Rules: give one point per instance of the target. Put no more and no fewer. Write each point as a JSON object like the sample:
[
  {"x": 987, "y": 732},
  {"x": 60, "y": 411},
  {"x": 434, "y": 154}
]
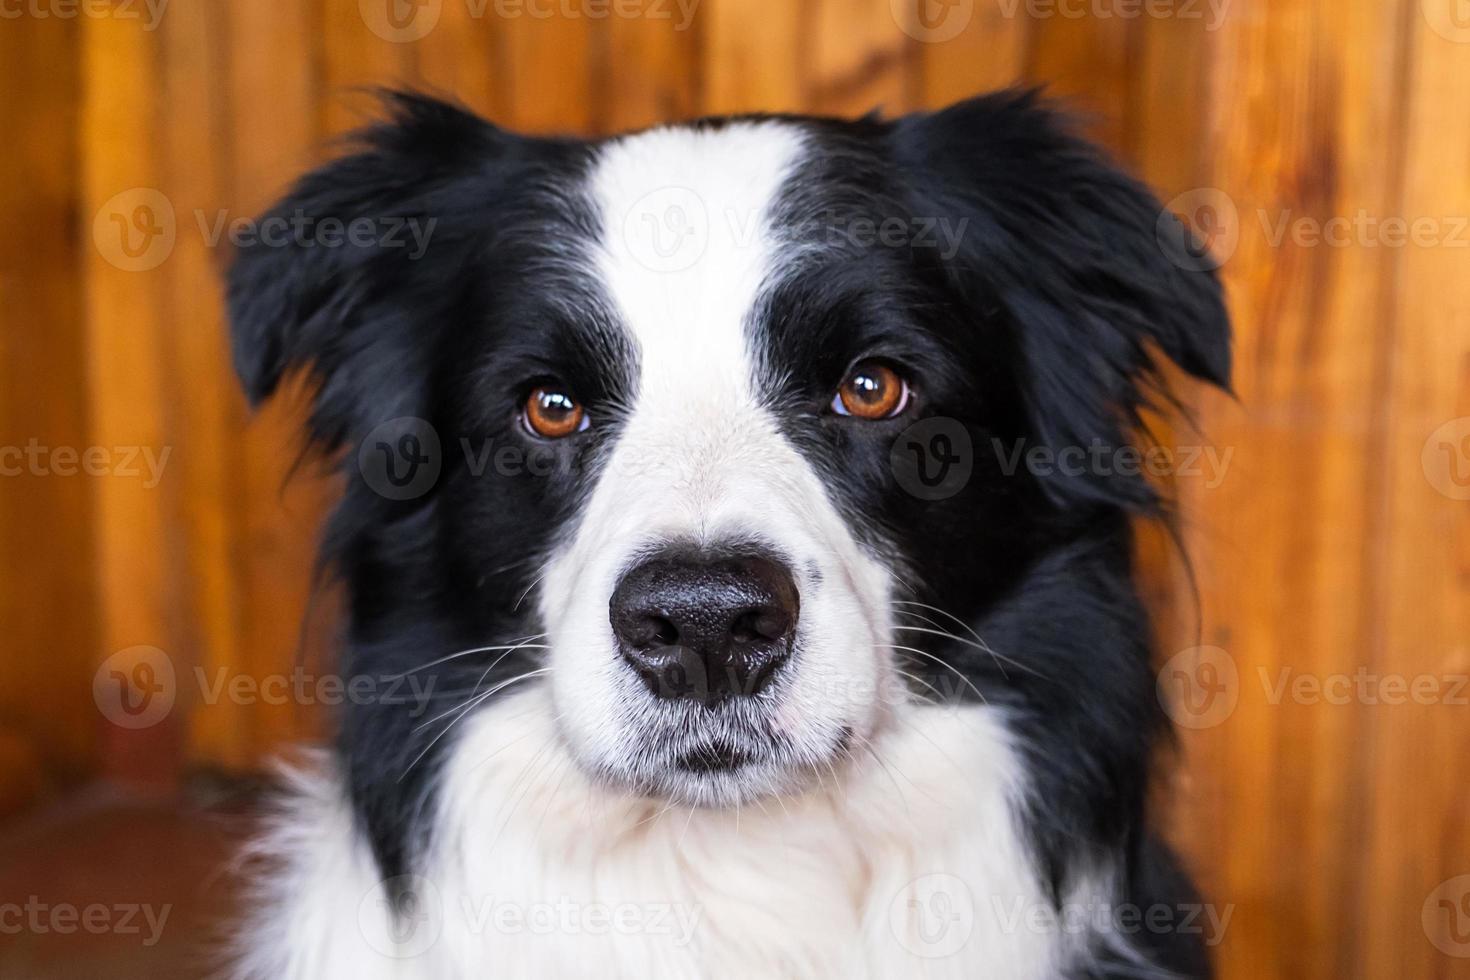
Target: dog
[{"x": 691, "y": 477}]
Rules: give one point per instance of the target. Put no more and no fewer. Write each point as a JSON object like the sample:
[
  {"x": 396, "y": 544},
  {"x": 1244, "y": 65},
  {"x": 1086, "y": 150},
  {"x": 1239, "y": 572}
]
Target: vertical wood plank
[
  {"x": 988, "y": 52},
  {"x": 209, "y": 416},
  {"x": 47, "y": 589},
  {"x": 1419, "y": 809},
  {"x": 652, "y": 73},
  {"x": 463, "y": 58},
  {"x": 132, "y": 227},
  {"x": 1085, "y": 60},
  {"x": 857, "y": 58},
  {"x": 1171, "y": 114},
  {"x": 551, "y": 63},
  {"x": 354, "y": 58},
  {"x": 1285, "y": 593},
  {"x": 752, "y": 57}
]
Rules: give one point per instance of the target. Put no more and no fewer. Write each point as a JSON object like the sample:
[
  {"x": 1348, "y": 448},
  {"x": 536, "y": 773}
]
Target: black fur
[{"x": 1038, "y": 328}]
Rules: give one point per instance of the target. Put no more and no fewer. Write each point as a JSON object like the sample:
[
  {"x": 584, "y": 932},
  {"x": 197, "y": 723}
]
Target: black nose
[{"x": 705, "y": 629}]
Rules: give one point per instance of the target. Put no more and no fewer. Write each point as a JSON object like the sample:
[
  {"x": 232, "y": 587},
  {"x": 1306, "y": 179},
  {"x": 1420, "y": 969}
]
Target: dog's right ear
[
  {"x": 308, "y": 289},
  {"x": 1097, "y": 282}
]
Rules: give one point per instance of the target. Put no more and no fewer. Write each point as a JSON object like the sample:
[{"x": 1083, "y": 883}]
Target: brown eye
[
  {"x": 552, "y": 413},
  {"x": 872, "y": 391}
]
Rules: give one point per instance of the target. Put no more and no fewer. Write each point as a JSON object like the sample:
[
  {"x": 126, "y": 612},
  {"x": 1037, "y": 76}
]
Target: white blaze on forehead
[{"x": 686, "y": 247}]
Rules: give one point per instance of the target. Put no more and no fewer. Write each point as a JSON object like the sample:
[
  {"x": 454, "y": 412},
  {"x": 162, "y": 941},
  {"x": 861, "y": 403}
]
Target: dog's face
[
  {"x": 715, "y": 605},
  {"x": 683, "y": 384}
]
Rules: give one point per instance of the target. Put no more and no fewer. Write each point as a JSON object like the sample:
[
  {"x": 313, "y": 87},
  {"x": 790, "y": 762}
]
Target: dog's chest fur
[{"x": 909, "y": 866}]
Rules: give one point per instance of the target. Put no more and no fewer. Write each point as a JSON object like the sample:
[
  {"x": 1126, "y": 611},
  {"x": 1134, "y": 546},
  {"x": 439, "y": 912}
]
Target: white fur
[{"x": 819, "y": 885}]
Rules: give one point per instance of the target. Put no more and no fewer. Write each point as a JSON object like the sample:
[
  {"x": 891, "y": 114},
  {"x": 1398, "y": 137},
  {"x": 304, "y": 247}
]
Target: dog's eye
[
  {"x": 872, "y": 391},
  {"x": 552, "y": 413}
]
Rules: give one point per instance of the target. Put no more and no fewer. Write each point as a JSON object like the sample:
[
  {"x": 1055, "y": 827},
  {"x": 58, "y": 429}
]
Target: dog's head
[{"x": 714, "y": 430}]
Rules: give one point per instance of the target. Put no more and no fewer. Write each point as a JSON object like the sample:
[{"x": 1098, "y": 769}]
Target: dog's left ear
[
  {"x": 1082, "y": 262},
  {"x": 336, "y": 283}
]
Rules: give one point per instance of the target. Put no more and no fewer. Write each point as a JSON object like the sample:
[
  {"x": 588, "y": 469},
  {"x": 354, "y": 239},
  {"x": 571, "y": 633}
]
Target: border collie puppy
[{"x": 708, "y": 614}]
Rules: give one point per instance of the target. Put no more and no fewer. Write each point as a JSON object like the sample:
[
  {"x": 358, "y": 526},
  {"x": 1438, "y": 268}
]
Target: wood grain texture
[
  {"x": 1092, "y": 63},
  {"x": 856, "y": 58},
  {"x": 206, "y": 422},
  {"x": 988, "y": 52},
  {"x": 752, "y": 56},
  {"x": 463, "y": 58},
  {"x": 1335, "y": 544},
  {"x": 668, "y": 82},
  {"x": 354, "y": 59},
  {"x": 552, "y": 62},
  {"x": 48, "y": 589},
  {"x": 130, "y": 226},
  {"x": 1418, "y": 811}
]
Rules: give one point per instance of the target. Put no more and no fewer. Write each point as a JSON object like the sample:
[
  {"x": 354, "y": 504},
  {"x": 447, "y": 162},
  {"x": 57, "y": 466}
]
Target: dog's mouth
[
  {"x": 728, "y": 764},
  {"x": 716, "y": 757}
]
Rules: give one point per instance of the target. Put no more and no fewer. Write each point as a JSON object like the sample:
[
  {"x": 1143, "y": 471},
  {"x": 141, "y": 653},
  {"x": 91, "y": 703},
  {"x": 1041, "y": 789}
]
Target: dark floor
[{"x": 108, "y": 884}]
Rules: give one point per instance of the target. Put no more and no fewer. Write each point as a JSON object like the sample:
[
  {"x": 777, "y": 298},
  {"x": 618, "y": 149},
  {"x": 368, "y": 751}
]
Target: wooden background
[{"x": 1334, "y": 545}]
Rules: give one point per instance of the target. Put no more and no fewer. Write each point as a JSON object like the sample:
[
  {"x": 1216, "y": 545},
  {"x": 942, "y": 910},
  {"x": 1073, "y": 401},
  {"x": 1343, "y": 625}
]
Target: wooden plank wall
[{"x": 1337, "y": 542}]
